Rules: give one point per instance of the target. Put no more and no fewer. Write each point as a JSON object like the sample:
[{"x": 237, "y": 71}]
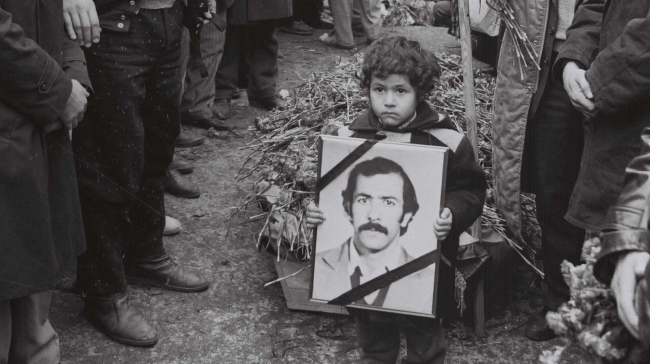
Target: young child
[{"x": 398, "y": 74}]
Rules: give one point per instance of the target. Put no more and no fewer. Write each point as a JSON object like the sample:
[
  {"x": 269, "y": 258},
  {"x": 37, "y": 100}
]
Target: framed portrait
[{"x": 376, "y": 248}]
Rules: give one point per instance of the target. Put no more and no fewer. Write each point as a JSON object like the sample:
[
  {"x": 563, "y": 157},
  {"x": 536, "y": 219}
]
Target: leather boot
[
  {"x": 163, "y": 273},
  {"x": 181, "y": 165},
  {"x": 185, "y": 140},
  {"x": 116, "y": 318},
  {"x": 180, "y": 187},
  {"x": 222, "y": 108},
  {"x": 267, "y": 103}
]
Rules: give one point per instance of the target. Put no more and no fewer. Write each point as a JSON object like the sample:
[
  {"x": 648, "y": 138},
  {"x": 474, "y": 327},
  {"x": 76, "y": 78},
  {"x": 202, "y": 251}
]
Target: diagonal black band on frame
[{"x": 344, "y": 164}]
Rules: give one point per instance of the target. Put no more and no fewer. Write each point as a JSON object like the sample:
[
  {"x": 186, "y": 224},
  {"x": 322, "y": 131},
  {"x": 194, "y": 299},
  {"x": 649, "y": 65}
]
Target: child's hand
[
  {"x": 314, "y": 215},
  {"x": 442, "y": 225}
]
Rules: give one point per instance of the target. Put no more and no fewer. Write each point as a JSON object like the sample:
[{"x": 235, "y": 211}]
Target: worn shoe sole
[
  {"x": 191, "y": 143},
  {"x": 147, "y": 282},
  {"x": 121, "y": 340}
]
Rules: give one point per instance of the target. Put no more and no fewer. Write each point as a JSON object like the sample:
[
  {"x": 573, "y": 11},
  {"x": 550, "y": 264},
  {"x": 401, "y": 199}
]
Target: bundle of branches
[
  {"x": 590, "y": 317},
  {"x": 284, "y": 157},
  {"x": 526, "y": 53}
]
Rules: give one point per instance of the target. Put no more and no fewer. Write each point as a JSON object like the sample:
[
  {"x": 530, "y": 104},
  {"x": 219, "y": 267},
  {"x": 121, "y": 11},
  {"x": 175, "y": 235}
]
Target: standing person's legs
[
  {"x": 342, "y": 14},
  {"x": 228, "y": 70},
  {"x": 26, "y": 335},
  {"x": 557, "y": 139},
  {"x": 371, "y": 19},
  {"x": 378, "y": 341},
  {"x": 262, "y": 60},
  {"x": 425, "y": 341},
  {"x": 199, "y": 92}
]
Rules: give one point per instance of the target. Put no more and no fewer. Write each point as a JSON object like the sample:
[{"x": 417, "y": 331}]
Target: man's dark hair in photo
[{"x": 373, "y": 167}]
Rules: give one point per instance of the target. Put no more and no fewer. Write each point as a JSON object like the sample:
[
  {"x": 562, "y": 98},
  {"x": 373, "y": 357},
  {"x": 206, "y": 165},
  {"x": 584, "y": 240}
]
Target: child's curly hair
[{"x": 398, "y": 55}]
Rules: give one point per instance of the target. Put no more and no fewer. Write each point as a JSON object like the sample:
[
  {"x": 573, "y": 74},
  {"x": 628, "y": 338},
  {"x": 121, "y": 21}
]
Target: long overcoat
[
  {"x": 619, "y": 77},
  {"x": 519, "y": 88},
  {"x": 40, "y": 218},
  {"x": 244, "y": 12}
]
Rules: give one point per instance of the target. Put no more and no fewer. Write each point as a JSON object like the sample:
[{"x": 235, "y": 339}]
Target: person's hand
[
  {"x": 81, "y": 21},
  {"x": 576, "y": 85},
  {"x": 74, "y": 109},
  {"x": 315, "y": 216},
  {"x": 212, "y": 9},
  {"x": 442, "y": 225},
  {"x": 629, "y": 269}
]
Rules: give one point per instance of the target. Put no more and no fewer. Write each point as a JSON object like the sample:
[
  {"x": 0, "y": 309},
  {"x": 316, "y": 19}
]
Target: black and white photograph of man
[{"x": 378, "y": 220}]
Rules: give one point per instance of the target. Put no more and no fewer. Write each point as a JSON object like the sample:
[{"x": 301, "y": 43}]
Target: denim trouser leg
[
  {"x": 125, "y": 144},
  {"x": 199, "y": 92},
  {"x": 557, "y": 139}
]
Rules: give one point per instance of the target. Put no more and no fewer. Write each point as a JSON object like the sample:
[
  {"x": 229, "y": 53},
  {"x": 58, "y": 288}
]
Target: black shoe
[
  {"x": 267, "y": 103},
  {"x": 163, "y": 273},
  {"x": 181, "y": 165},
  {"x": 117, "y": 319},
  {"x": 537, "y": 329},
  {"x": 222, "y": 109},
  {"x": 185, "y": 140},
  {"x": 212, "y": 122},
  {"x": 298, "y": 28},
  {"x": 179, "y": 187}
]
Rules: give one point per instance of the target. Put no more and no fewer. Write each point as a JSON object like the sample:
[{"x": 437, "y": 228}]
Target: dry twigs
[{"x": 284, "y": 152}]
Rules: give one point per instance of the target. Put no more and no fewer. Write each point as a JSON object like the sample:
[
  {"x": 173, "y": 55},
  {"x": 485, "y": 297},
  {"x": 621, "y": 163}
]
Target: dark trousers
[
  {"x": 125, "y": 145},
  {"x": 379, "y": 339},
  {"x": 556, "y": 140},
  {"x": 26, "y": 335},
  {"x": 262, "y": 59}
]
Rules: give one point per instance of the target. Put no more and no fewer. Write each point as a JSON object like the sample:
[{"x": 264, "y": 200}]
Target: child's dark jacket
[{"x": 465, "y": 181}]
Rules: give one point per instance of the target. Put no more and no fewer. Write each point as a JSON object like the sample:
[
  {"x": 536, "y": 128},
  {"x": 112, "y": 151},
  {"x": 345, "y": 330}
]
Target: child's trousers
[{"x": 379, "y": 340}]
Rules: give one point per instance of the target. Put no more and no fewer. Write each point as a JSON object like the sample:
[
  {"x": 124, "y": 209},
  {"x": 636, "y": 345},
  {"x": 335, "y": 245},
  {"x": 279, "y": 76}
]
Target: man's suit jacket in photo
[{"x": 411, "y": 293}]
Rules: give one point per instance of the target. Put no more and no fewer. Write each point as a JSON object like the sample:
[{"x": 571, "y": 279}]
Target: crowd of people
[{"x": 93, "y": 95}]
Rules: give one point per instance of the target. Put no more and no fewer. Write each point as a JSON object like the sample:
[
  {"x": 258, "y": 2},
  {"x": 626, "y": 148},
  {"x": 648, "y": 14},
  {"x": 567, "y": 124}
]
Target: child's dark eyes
[
  {"x": 379, "y": 89},
  {"x": 401, "y": 91}
]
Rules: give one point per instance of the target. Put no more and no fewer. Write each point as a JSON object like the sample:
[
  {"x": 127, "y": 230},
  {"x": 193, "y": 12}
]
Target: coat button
[
  {"x": 528, "y": 88},
  {"x": 551, "y": 31},
  {"x": 120, "y": 25},
  {"x": 44, "y": 86},
  {"x": 123, "y": 17},
  {"x": 132, "y": 3},
  {"x": 545, "y": 60},
  {"x": 535, "y": 42}
]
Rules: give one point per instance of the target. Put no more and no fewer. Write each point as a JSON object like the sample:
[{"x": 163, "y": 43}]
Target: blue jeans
[{"x": 125, "y": 144}]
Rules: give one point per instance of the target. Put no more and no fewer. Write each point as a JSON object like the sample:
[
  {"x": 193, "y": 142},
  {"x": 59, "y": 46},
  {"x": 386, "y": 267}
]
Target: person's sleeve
[
  {"x": 74, "y": 63},
  {"x": 625, "y": 226},
  {"x": 31, "y": 81},
  {"x": 582, "y": 37},
  {"x": 465, "y": 190},
  {"x": 620, "y": 75},
  {"x": 644, "y": 308}
]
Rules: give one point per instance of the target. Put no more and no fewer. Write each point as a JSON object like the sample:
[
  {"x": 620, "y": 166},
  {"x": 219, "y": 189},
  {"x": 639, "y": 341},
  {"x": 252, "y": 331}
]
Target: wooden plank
[
  {"x": 296, "y": 288},
  {"x": 468, "y": 85}
]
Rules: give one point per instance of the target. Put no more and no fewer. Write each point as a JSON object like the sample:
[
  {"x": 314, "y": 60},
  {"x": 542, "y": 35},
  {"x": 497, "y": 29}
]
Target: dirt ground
[{"x": 239, "y": 321}]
